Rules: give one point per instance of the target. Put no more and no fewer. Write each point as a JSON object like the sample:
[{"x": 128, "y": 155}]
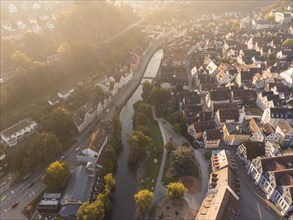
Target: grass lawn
[
  {"x": 152, "y": 169},
  {"x": 255, "y": 111}
]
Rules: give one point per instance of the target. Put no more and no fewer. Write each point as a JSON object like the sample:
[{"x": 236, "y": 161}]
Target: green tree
[
  {"x": 110, "y": 181},
  {"x": 182, "y": 161},
  {"x": 143, "y": 200},
  {"x": 91, "y": 211},
  {"x": 42, "y": 147},
  {"x": 105, "y": 197},
  {"x": 145, "y": 130},
  {"x": 169, "y": 146},
  {"x": 56, "y": 175},
  {"x": 146, "y": 89},
  {"x": 175, "y": 191},
  {"x": 60, "y": 122},
  {"x": 115, "y": 134},
  {"x": 208, "y": 155},
  {"x": 139, "y": 144},
  {"x": 21, "y": 59},
  {"x": 159, "y": 96},
  {"x": 177, "y": 127},
  {"x": 288, "y": 42}
]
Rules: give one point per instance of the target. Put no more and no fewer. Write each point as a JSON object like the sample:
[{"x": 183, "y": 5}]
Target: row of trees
[
  {"x": 144, "y": 198},
  {"x": 96, "y": 210},
  {"x": 42, "y": 147},
  {"x": 139, "y": 140}
]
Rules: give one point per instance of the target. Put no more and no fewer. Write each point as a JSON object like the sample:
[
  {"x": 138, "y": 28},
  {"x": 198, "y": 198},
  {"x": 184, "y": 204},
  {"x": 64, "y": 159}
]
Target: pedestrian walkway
[{"x": 194, "y": 200}]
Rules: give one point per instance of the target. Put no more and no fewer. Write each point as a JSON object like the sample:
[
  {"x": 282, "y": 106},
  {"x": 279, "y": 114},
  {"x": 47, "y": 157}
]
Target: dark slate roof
[
  {"x": 17, "y": 127},
  {"x": 228, "y": 114},
  {"x": 286, "y": 113},
  {"x": 192, "y": 100},
  {"x": 246, "y": 76},
  {"x": 79, "y": 185},
  {"x": 272, "y": 97},
  {"x": 217, "y": 106},
  {"x": 213, "y": 134},
  {"x": 237, "y": 128},
  {"x": 254, "y": 149},
  {"x": 266, "y": 93},
  {"x": 202, "y": 126},
  {"x": 243, "y": 94},
  {"x": 69, "y": 211},
  {"x": 220, "y": 95}
]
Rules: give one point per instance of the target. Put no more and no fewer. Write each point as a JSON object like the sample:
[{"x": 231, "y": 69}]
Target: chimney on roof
[{"x": 239, "y": 128}]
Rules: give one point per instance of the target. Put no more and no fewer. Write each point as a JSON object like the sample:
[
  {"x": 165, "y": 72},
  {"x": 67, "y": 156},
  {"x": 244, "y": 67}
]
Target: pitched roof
[
  {"x": 277, "y": 163},
  {"x": 228, "y": 114},
  {"x": 213, "y": 134},
  {"x": 253, "y": 126},
  {"x": 267, "y": 129},
  {"x": 17, "y": 127},
  {"x": 217, "y": 106},
  {"x": 254, "y": 149},
  {"x": 286, "y": 113},
  {"x": 220, "y": 95},
  {"x": 284, "y": 127},
  {"x": 243, "y": 94},
  {"x": 237, "y": 128},
  {"x": 202, "y": 126}
]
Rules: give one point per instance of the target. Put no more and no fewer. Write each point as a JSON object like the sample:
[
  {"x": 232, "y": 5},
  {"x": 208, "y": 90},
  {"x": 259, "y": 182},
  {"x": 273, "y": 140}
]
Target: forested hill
[
  {"x": 80, "y": 27},
  {"x": 94, "y": 20},
  {"x": 185, "y": 10}
]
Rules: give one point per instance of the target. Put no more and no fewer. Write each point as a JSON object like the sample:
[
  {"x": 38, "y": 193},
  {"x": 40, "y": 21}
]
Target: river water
[{"x": 126, "y": 185}]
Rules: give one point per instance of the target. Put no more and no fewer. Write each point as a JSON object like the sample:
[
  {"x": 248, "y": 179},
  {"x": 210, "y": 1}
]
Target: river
[{"x": 126, "y": 185}]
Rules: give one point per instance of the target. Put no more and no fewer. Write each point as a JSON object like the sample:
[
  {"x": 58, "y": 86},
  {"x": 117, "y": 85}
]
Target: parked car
[
  {"x": 14, "y": 205},
  {"x": 77, "y": 149}
]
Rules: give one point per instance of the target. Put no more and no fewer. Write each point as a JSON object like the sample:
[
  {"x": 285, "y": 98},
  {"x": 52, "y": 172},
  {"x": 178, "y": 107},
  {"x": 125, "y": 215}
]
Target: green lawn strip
[{"x": 152, "y": 169}]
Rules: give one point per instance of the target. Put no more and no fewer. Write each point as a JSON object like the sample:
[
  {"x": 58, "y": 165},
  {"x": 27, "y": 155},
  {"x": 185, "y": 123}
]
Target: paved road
[
  {"x": 23, "y": 195},
  {"x": 251, "y": 206}
]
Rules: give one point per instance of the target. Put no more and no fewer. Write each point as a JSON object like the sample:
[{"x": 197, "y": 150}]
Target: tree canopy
[
  {"x": 159, "y": 96},
  {"x": 91, "y": 211},
  {"x": 175, "y": 191},
  {"x": 42, "y": 147},
  {"x": 56, "y": 175},
  {"x": 182, "y": 161},
  {"x": 139, "y": 144},
  {"x": 143, "y": 200},
  {"x": 288, "y": 42}
]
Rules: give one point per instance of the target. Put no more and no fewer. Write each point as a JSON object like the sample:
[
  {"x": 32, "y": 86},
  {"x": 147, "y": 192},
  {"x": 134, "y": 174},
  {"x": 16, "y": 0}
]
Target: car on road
[
  {"x": 62, "y": 158},
  {"x": 77, "y": 149},
  {"x": 14, "y": 205}
]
